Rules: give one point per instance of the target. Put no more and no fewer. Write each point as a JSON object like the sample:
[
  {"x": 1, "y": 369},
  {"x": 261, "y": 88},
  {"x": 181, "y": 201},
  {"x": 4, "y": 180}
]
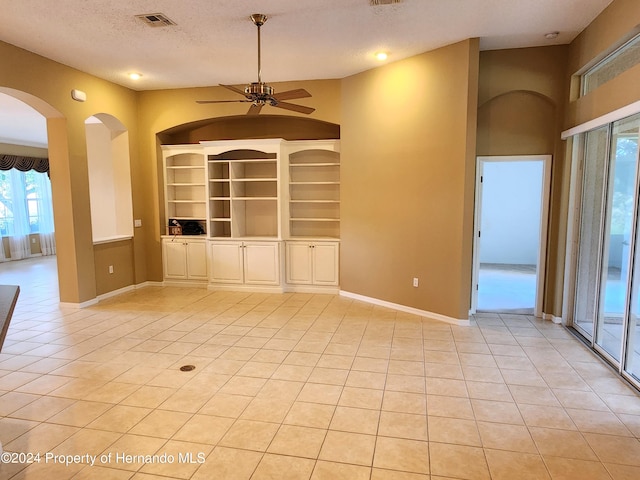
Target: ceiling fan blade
[
  {"x": 254, "y": 109},
  {"x": 233, "y": 89},
  {"x": 222, "y": 101},
  {"x": 291, "y": 94},
  {"x": 295, "y": 108}
]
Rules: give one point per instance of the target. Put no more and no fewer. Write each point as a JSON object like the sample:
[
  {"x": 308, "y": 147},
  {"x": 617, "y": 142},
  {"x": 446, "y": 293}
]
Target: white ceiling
[
  {"x": 215, "y": 42},
  {"x": 20, "y": 124}
]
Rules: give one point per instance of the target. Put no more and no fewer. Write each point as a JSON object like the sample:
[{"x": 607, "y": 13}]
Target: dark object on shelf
[
  {"x": 192, "y": 228},
  {"x": 174, "y": 227}
]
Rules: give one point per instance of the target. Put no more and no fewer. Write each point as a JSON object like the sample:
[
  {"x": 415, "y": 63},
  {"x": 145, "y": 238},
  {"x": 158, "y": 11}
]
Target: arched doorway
[
  {"x": 76, "y": 275},
  {"x": 27, "y": 245}
]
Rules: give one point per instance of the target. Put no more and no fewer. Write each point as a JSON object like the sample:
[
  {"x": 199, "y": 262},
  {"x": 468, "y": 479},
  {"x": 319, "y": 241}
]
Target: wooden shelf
[
  {"x": 314, "y": 195},
  {"x": 250, "y": 185},
  {"x": 185, "y": 185},
  {"x": 314, "y": 183},
  {"x": 315, "y": 219},
  {"x": 255, "y": 198},
  {"x": 265, "y": 179},
  {"x": 330, "y": 164}
]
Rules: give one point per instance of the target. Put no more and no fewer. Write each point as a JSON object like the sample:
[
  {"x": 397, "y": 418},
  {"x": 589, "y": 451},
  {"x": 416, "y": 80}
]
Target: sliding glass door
[
  {"x": 620, "y": 225},
  {"x": 594, "y": 168},
  {"x": 627, "y": 145},
  {"x": 607, "y": 295}
]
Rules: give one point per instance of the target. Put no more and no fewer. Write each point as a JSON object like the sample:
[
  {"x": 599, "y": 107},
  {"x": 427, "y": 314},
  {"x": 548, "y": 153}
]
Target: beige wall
[
  {"x": 162, "y": 109},
  {"x": 34, "y": 244},
  {"x": 46, "y": 86},
  {"x": 616, "y": 24},
  {"x": 8, "y": 149},
  {"x": 119, "y": 255},
  {"x": 521, "y": 97},
  {"x": 408, "y": 156},
  {"x": 409, "y": 147}
]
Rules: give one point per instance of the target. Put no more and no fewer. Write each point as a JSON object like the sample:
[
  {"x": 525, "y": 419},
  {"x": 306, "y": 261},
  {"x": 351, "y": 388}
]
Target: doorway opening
[
  {"x": 512, "y": 199},
  {"x": 27, "y": 243}
]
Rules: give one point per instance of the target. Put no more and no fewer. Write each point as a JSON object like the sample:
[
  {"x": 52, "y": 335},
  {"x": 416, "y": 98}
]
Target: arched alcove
[
  {"x": 240, "y": 127},
  {"x": 109, "y": 178},
  {"x": 516, "y": 122}
]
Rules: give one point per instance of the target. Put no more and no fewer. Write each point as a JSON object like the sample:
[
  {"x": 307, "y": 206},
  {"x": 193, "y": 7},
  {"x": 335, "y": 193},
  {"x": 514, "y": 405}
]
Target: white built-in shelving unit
[{"x": 270, "y": 210}]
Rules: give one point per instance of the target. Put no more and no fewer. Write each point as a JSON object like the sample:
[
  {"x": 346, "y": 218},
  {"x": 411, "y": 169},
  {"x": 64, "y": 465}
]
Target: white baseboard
[
  {"x": 404, "y": 308},
  {"x": 184, "y": 283},
  {"x": 86, "y": 304},
  {"x": 246, "y": 288},
  {"x": 322, "y": 289},
  {"x": 114, "y": 293},
  {"x": 104, "y": 296},
  {"x": 552, "y": 318},
  {"x": 148, "y": 284}
]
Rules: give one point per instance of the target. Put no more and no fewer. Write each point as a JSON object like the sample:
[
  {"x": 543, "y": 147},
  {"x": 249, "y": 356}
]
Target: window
[
  {"x": 620, "y": 60},
  {"x": 25, "y": 202}
]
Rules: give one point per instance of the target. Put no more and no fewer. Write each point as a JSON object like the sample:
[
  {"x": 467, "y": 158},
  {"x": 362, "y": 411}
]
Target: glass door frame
[
  {"x": 609, "y": 192},
  {"x": 576, "y": 150}
]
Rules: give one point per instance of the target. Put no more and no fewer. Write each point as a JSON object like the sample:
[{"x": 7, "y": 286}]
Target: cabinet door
[
  {"x": 299, "y": 263},
  {"x": 226, "y": 262},
  {"x": 262, "y": 263},
  {"x": 325, "y": 263},
  {"x": 174, "y": 255},
  {"x": 197, "y": 260}
]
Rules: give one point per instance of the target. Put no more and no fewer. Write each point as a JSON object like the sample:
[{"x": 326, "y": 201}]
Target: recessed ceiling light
[
  {"x": 135, "y": 76},
  {"x": 382, "y": 56},
  {"x": 551, "y": 35}
]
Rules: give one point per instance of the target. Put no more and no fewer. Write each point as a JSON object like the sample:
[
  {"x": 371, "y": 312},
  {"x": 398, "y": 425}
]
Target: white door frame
[{"x": 544, "y": 219}]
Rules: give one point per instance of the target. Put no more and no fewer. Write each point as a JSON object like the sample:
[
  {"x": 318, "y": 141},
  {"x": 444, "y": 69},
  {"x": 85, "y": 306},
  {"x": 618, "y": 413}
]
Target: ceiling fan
[{"x": 259, "y": 93}]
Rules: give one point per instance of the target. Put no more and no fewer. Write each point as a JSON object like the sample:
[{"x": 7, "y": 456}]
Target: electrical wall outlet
[
  {"x": 137, "y": 222},
  {"x": 415, "y": 281},
  {"x": 110, "y": 268}
]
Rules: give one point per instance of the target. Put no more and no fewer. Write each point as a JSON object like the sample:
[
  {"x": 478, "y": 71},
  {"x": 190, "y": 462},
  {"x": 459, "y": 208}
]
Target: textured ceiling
[{"x": 214, "y": 41}]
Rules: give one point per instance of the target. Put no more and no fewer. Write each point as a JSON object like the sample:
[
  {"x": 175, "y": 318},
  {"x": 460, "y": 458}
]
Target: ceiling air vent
[
  {"x": 156, "y": 20},
  {"x": 373, "y": 3}
]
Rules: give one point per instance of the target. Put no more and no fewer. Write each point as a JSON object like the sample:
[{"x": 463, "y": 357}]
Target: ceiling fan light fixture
[
  {"x": 259, "y": 88},
  {"x": 259, "y": 94}
]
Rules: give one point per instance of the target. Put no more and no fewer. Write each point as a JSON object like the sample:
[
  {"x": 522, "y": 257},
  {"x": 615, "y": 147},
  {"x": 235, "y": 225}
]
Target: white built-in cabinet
[
  {"x": 245, "y": 263},
  {"x": 184, "y": 258},
  {"x": 270, "y": 210},
  {"x": 312, "y": 263}
]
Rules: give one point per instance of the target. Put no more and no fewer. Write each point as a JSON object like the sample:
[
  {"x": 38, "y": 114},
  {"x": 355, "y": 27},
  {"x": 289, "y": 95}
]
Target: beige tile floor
[{"x": 300, "y": 386}]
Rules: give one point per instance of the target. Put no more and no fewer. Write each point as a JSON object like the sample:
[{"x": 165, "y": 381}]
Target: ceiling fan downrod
[{"x": 258, "y": 19}]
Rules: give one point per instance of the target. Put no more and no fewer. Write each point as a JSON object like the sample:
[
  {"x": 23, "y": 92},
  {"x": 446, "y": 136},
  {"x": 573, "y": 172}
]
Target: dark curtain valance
[{"x": 24, "y": 164}]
